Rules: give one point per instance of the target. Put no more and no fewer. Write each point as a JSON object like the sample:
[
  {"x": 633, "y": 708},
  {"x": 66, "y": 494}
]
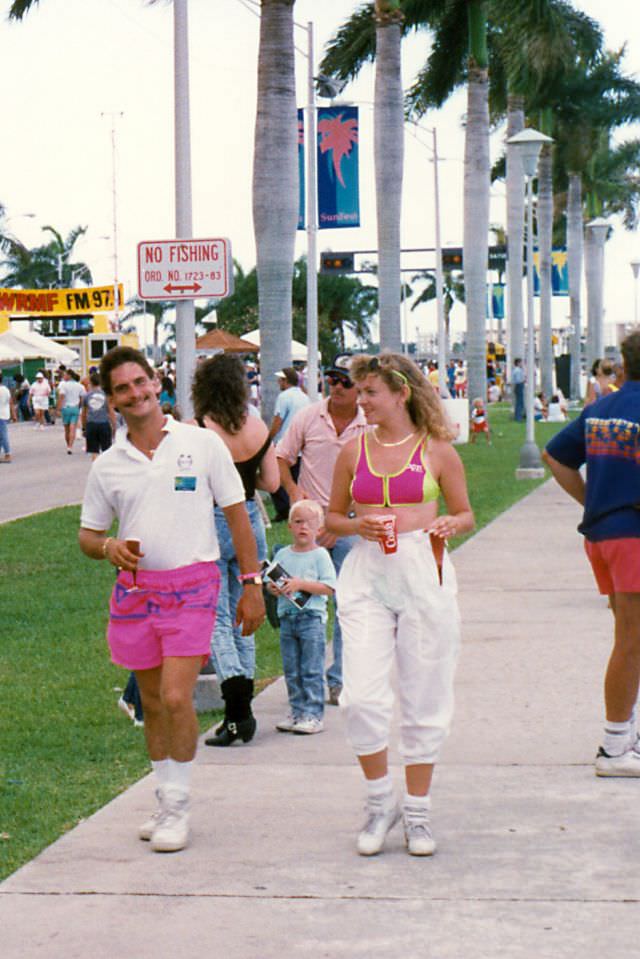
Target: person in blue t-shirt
[
  {"x": 606, "y": 436},
  {"x": 308, "y": 578}
]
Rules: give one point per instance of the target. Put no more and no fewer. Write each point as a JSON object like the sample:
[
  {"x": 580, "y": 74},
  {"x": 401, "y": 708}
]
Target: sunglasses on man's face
[{"x": 344, "y": 381}]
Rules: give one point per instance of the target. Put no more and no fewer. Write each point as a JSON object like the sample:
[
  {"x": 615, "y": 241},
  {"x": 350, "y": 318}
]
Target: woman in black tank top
[{"x": 221, "y": 403}]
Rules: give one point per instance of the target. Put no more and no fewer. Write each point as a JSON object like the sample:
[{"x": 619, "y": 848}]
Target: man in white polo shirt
[{"x": 159, "y": 479}]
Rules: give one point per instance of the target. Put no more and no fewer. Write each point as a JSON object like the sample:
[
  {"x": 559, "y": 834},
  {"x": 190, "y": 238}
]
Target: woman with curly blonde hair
[{"x": 398, "y": 606}]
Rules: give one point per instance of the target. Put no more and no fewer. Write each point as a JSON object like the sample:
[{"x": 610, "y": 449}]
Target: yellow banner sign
[{"x": 76, "y": 302}]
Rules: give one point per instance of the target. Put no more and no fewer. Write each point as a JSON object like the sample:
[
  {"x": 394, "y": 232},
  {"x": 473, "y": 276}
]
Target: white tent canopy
[
  {"x": 32, "y": 346},
  {"x": 9, "y": 355},
  {"x": 298, "y": 350}
]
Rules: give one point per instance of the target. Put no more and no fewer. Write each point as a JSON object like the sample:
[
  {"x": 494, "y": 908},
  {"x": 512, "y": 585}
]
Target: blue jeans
[
  {"x": 232, "y": 653},
  {"x": 302, "y": 644},
  {"x": 338, "y": 555},
  {"x": 518, "y": 395},
  {"x": 4, "y": 437}
]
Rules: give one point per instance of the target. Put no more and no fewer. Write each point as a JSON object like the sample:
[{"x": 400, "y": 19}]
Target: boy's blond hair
[{"x": 309, "y": 504}]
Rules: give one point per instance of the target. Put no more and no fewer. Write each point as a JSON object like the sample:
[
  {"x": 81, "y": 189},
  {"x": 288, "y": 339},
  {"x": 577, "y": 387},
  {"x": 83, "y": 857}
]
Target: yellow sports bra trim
[{"x": 430, "y": 488}]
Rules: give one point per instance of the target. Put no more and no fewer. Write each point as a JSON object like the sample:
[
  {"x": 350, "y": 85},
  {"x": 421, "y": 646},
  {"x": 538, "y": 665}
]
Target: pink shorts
[
  {"x": 615, "y": 564},
  {"x": 172, "y": 613}
]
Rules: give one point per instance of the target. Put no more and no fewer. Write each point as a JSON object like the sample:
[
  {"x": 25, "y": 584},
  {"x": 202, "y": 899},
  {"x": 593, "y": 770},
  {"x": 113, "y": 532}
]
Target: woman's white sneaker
[
  {"x": 628, "y": 764},
  {"x": 417, "y": 830},
  {"x": 383, "y": 812}
]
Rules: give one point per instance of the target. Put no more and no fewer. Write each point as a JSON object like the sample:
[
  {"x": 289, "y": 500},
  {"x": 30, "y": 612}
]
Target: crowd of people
[{"x": 358, "y": 477}]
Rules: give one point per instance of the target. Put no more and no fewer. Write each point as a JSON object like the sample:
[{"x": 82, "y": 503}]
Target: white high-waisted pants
[{"x": 392, "y": 607}]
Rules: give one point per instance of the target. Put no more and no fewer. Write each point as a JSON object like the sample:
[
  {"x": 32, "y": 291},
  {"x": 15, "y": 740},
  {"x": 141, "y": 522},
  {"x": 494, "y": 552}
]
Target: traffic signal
[
  {"x": 336, "y": 262},
  {"x": 452, "y": 258}
]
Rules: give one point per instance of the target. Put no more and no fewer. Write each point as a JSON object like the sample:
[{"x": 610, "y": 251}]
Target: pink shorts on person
[
  {"x": 615, "y": 564},
  {"x": 171, "y": 613}
]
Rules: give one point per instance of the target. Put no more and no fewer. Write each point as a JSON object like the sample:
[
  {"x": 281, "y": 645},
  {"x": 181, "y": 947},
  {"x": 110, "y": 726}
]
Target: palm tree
[
  {"x": 48, "y": 266},
  {"x": 533, "y": 50},
  {"x": 389, "y": 161},
  {"x": 155, "y": 308},
  {"x": 612, "y": 185},
  {"x": 453, "y": 292},
  {"x": 344, "y": 304},
  {"x": 275, "y": 189},
  {"x": 593, "y": 98}
]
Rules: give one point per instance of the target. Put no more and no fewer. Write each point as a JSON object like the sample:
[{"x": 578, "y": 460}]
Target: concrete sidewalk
[
  {"x": 536, "y": 857},
  {"x": 42, "y": 476}
]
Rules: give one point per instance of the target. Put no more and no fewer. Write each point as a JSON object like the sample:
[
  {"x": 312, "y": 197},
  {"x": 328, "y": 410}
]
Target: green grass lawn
[{"x": 65, "y": 749}]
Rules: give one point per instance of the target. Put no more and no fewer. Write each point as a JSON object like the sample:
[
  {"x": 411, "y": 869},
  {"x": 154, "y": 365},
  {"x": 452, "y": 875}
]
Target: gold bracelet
[{"x": 109, "y": 539}]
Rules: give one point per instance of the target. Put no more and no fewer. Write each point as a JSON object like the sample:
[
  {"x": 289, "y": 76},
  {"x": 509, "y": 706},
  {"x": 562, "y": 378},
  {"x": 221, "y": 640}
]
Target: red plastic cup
[
  {"x": 389, "y": 537},
  {"x": 133, "y": 544}
]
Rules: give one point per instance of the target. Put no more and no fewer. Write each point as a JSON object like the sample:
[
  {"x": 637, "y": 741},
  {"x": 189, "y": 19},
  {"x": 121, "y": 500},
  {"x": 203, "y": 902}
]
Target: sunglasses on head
[
  {"x": 375, "y": 366},
  {"x": 333, "y": 379}
]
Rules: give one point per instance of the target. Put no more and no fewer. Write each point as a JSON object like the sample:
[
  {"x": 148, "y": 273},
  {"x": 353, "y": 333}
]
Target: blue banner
[
  {"x": 559, "y": 272},
  {"x": 338, "y": 187},
  {"x": 301, "y": 176},
  {"x": 496, "y": 292}
]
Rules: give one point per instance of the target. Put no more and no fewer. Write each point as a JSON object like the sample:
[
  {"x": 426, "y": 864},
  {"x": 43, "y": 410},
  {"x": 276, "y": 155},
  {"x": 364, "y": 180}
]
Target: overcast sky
[{"x": 73, "y": 66}]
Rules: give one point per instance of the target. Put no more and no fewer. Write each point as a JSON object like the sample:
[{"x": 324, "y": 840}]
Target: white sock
[
  {"x": 180, "y": 774},
  {"x": 615, "y": 740},
  {"x": 424, "y": 802},
  {"x": 161, "y": 770},
  {"x": 378, "y": 788},
  {"x": 633, "y": 725}
]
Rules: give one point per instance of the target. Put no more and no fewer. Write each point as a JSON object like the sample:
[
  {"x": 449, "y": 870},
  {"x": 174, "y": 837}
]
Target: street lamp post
[
  {"x": 185, "y": 309},
  {"x": 529, "y": 143},
  {"x": 635, "y": 267}
]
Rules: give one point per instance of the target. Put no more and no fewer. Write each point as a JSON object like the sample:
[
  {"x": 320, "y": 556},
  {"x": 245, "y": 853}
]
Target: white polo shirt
[{"x": 166, "y": 502}]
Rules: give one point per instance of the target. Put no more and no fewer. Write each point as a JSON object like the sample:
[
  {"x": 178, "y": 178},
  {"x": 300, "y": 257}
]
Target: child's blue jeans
[{"x": 302, "y": 644}]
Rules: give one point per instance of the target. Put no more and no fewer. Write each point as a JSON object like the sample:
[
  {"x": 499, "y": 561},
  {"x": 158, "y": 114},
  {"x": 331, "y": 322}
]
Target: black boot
[
  {"x": 249, "y": 724},
  {"x": 238, "y": 721}
]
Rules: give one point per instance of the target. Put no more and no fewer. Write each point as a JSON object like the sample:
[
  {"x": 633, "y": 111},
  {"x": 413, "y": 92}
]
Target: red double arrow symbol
[{"x": 170, "y": 288}]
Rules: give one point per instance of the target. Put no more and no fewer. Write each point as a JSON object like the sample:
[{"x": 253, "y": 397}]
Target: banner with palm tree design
[{"x": 338, "y": 182}]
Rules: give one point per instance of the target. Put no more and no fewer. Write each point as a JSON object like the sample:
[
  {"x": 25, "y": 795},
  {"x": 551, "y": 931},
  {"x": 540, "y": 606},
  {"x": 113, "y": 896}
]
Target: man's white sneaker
[
  {"x": 147, "y": 828},
  {"x": 172, "y": 830},
  {"x": 417, "y": 830},
  {"x": 308, "y": 725},
  {"x": 382, "y": 815},
  {"x": 628, "y": 764},
  {"x": 287, "y": 725}
]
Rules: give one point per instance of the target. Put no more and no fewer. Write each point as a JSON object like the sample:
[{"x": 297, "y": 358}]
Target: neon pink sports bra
[{"x": 412, "y": 486}]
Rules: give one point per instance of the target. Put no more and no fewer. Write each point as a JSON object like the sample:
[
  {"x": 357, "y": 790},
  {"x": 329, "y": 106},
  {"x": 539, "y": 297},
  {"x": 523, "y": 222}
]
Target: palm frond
[
  {"x": 352, "y": 46},
  {"x": 19, "y": 8}
]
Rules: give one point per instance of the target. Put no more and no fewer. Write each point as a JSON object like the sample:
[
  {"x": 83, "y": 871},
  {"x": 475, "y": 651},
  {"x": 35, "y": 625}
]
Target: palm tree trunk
[
  {"x": 575, "y": 242},
  {"x": 275, "y": 191},
  {"x": 476, "y": 226},
  {"x": 594, "y": 276},
  {"x": 389, "y": 160},
  {"x": 515, "y": 233},
  {"x": 545, "y": 235}
]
